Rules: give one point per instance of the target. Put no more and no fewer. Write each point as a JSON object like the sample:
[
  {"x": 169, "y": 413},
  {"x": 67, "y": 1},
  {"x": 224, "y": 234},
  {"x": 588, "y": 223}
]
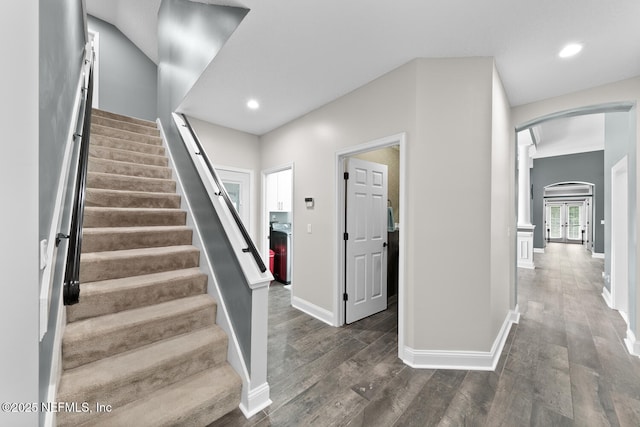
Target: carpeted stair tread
[
  {"x": 97, "y": 266},
  {"x": 118, "y": 167},
  {"x": 121, "y": 124},
  {"x": 102, "y": 239},
  {"x": 115, "y": 295},
  {"x": 133, "y": 183},
  {"x": 122, "y": 118},
  {"x": 104, "y": 197},
  {"x": 124, "y": 134},
  {"x": 132, "y": 217},
  {"x": 193, "y": 402},
  {"x": 125, "y": 377},
  {"x": 88, "y": 340},
  {"x": 123, "y": 144},
  {"x": 98, "y": 152}
]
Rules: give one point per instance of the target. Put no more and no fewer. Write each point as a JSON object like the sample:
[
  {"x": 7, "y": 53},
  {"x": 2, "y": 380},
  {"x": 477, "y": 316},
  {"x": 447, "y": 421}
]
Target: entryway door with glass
[{"x": 565, "y": 222}]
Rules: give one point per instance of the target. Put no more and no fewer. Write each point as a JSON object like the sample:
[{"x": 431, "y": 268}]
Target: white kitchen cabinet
[{"x": 279, "y": 191}]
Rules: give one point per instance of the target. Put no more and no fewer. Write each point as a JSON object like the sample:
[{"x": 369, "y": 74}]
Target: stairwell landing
[{"x": 141, "y": 347}]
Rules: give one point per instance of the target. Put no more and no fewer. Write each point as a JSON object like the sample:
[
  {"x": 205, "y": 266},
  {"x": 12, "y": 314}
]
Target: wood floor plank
[{"x": 565, "y": 363}]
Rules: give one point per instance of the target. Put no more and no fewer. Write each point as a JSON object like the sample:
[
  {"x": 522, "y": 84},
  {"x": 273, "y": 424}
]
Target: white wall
[
  {"x": 229, "y": 147},
  {"x": 19, "y": 164},
  {"x": 384, "y": 107},
  {"x": 449, "y": 212},
  {"x": 446, "y": 106},
  {"x": 622, "y": 91}
]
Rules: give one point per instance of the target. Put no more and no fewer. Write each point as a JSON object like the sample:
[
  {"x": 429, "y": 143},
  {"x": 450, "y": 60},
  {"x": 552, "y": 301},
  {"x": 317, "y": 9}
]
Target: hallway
[{"x": 564, "y": 364}]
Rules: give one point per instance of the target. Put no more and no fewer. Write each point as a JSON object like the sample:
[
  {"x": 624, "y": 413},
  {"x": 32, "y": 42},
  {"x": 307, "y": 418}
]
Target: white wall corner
[
  {"x": 606, "y": 295},
  {"x": 313, "y": 310},
  {"x": 633, "y": 346},
  {"x": 465, "y": 360},
  {"x": 254, "y": 399}
]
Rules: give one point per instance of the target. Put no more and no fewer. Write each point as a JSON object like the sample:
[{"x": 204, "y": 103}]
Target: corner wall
[
  {"x": 19, "y": 116},
  {"x": 128, "y": 78}
]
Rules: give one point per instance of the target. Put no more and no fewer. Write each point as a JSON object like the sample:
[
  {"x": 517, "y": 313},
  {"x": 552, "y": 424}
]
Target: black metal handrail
[
  {"x": 251, "y": 247},
  {"x": 71, "y": 290}
]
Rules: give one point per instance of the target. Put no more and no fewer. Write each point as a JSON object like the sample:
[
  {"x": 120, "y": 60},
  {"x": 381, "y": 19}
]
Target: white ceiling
[{"x": 295, "y": 56}]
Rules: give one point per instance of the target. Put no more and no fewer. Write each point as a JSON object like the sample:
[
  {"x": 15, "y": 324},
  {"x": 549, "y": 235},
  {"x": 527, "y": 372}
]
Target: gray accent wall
[
  {"x": 128, "y": 78},
  {"x": 620, "y": 141},
  {"x": 180, "y": 22},
  {"x": 580, "y": 167},
  {"x": 62, "y": 40}
]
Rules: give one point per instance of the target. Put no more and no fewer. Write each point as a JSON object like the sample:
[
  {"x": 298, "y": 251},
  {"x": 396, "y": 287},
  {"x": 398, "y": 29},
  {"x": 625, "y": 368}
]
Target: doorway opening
[
  {"x": 390, "y": 234},
  {"x": 568, "y": 213},
  {"x": 278, "y": 214}
]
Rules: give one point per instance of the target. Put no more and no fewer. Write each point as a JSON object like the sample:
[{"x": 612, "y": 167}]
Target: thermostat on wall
[{"x": 309, "y": 202}]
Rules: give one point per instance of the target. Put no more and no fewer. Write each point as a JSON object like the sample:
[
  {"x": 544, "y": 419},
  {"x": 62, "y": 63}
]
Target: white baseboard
[
  {"x": 466, "y": 360},
  {"x": 528, "y": 266},
  {"x": 597, "y": 255},
  {"x": 606, "y": 295},
  {"x": 313, "y": 310},
  {"x": 538, "y": 250},
  {"x": 256, "y": 400},
  {"x": 633, "y": 346}
]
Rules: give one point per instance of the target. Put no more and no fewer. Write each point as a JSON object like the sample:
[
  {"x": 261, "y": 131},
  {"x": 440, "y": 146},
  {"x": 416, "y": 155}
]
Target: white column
[
  {"x": 525, "y": 228},
  {"x": 524, "y": 186}
]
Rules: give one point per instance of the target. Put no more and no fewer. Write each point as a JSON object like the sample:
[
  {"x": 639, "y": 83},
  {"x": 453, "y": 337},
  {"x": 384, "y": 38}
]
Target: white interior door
[
  {"x": 237, "y": 184},
  {"x": 366, "y": 245}
]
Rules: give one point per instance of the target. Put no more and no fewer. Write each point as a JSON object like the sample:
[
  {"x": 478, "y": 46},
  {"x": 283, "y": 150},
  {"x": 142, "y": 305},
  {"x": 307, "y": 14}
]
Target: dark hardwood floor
[{"x": 564, "y": 364}]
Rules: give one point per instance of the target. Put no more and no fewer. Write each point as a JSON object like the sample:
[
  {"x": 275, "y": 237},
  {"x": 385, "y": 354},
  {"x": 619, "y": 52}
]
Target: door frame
[
  {"x": 399, "y": 139},
  {"x": 264, "y": 226},
  {"x": 252, "y": 208},
  {"x": 620, "y": 237}
]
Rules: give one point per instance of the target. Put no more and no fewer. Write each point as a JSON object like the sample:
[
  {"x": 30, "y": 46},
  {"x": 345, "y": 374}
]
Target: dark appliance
[{"x": 280, "y": 244}]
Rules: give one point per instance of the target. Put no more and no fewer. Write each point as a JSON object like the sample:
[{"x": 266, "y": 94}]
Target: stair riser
[
  {"x": 98, "y": 304},
  {"x": 141, "y": 384},
  {"x": 106, "y": 153},
  {"x": 94, "y": 269},
  {"x": 98, "y": 346},
  {"x": 121, "y": 118},
  {"x": 102, "y": 242},
  {"x": 128, "y": 169},
  {"x": 123, "y": 134},
  {"x": 131, "y": 127},
  {"x": 124, "y": 200},
  {"x": 121, "y": 144},
  {"x": 116, "y": 182},
  {"x": 132, "y": 218}
]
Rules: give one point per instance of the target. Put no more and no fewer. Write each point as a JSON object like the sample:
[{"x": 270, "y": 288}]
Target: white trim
[
  {"x": 56, "y": 362},
  {"x": 313, "y": 310},
  {"x": 633, "y": 346},
  {"x": 597, "y": 255},
  {"x": 47, "y": 275},
  {"x": 606, "y": 295},
  {"x": 96, "y": 68},
  {"x": 338, "y": 314},
  {"x": 258, "y": 399},
  {"x": 538, "y": 250},
  {"x": 467, "y": 360}
]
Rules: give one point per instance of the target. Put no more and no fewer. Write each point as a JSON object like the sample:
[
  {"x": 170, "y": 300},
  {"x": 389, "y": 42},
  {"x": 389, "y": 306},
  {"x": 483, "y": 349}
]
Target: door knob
[{"x": 385, "y": 244}]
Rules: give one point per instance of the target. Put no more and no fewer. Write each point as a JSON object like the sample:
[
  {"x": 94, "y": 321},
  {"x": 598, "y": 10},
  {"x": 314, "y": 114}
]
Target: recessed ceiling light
[
  {"x": 570, "y": 50},
  {"x": 253, "y": 104}
]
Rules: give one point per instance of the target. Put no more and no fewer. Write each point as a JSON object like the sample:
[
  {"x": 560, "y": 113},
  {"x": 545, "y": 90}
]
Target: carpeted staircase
[{"x": 143, "y": 338}]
